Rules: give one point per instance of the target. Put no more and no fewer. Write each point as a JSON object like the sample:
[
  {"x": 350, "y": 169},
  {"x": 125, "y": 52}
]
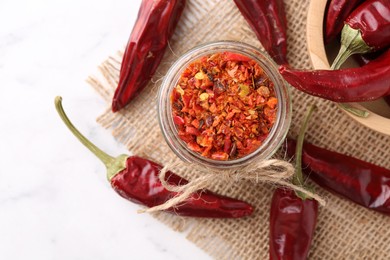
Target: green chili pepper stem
[
  {"x": 113, "y": 164},
  {"x": 298, "y": 176},
  {"x": 354, "y": 111},
  {"x": 351, "y": 43}
]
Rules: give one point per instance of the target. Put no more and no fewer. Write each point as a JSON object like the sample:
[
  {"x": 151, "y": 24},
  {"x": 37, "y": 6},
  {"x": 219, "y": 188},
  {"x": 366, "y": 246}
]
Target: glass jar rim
[{"x": 278, "y": 131}]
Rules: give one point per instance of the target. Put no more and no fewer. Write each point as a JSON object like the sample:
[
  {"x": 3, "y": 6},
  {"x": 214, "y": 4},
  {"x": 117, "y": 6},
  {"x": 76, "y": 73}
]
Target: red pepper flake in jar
[{"x": 224, "y": 106}]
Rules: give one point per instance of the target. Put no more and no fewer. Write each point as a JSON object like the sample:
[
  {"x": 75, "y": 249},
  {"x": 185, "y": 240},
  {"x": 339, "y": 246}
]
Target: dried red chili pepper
[
  {"x": 268, "y": 21},
  {"x": 362, "y": 182},
  {"x": 293, "y": 216},
  {"x": 367, "y": 29},
  {"x": 136, "y": 179},
  {"x": 224, "y": 105},
  {"x": 367, "y": 58},
  {"x": 338, "y": 11},
  {"x": 292, "y": 225},
  {"x": 154, "y": 27},
  {"x": 366, "y": 83}
]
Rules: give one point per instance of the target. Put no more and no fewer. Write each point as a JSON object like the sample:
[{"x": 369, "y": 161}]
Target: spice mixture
[{"x": 224, "y": 106}]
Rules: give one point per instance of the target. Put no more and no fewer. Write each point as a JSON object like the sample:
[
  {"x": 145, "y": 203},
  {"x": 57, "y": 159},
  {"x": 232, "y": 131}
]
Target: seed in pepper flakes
[{"x": 224, "y": 106}]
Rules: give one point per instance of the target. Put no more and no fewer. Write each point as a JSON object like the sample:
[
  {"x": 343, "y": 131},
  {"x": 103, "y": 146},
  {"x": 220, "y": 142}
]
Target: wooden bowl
[{"x": 320, "y": 55}]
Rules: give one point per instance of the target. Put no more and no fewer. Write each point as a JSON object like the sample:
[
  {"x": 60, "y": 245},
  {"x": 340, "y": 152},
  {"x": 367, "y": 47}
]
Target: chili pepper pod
[
  {"x": 338, "y": 11},
  {"x": 268, "y": 21},
  {"x": 367, "y": 29},
  {"x": 145, "y": 49},
  {"x": 365, "y": 83},
  {"x": 137, "y": 179},
  {"x": 361, "y": 182},
  {"x": 293, "y": 216},
  {"x": 292, "y": 225},
  {"x": 367, "y": 58}
]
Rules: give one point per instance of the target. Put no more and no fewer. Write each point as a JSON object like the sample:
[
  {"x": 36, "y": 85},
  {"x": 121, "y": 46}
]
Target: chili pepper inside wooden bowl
[{"x": 322, "y": 56}]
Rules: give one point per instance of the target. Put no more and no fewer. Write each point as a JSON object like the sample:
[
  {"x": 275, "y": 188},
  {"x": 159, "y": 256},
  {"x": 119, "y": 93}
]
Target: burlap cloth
[{"x": 344, "y": 230}]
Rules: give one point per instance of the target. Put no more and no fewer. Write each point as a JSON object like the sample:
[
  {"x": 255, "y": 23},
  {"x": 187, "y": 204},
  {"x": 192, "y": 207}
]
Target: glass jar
[{"x": 275, "y": 137}]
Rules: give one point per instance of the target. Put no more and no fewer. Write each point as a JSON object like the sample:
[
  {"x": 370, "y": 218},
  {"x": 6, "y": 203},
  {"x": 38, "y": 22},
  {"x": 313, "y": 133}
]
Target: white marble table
[{"x": 55, "y": 202}]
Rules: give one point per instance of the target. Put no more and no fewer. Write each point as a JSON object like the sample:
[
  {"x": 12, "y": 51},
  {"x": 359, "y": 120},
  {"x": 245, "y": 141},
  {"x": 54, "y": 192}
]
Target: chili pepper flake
[
  {"x": 224, "y": 106},
  {"x": 203, "y": 96}
]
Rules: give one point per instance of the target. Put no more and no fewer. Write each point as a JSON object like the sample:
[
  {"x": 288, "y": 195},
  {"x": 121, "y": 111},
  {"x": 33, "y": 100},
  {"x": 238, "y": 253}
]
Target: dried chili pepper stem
[
  {"x": 352, "y": 43},
  {"x": 353, "y": 110},
  {"x": 298, "y": 175},
  {"x": 113, "y": 164}
]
